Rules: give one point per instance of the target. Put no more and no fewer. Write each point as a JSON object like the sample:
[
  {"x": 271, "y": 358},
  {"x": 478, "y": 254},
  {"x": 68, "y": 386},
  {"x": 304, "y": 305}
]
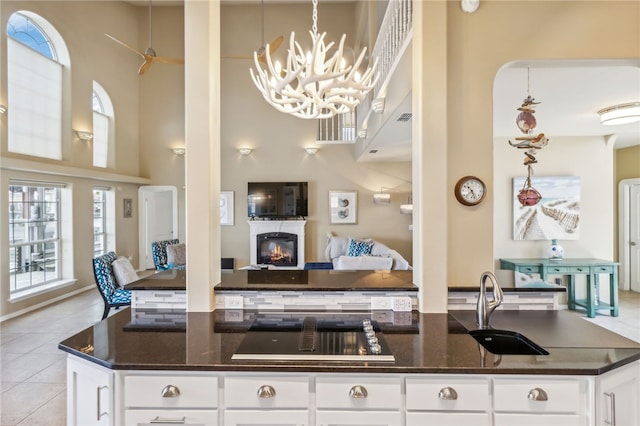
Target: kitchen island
[{"x": 122, "y": 373}]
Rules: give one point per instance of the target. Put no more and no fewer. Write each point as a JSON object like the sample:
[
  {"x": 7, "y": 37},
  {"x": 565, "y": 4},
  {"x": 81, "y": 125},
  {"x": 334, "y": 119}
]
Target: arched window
[
  {"x": 36, "y": 57},
  {"x": 102, "y": 127}
]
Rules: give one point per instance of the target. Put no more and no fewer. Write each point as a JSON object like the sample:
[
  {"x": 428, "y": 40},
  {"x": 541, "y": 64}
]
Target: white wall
[{"x": 590, "y": 158}]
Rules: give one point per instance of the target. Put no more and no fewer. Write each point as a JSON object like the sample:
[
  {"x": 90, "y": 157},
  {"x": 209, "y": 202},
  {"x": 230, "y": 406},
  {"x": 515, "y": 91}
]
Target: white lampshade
[{"x": 620, "y": 114}]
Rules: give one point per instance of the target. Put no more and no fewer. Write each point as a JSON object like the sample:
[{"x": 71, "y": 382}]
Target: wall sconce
[
  {"x": 407, "y": 208},
  {"x": 245, "y": 151},
  {"x": 179, "y": 151},
  {"x": 381, "y": 197},
  {"x": 84, "y": 136},
  {"x": 469, "y": 6},
  {"x": 620, "y": 114},
  {"x": 311, "y": 150},
  {"x": 3, "y": 109},
  {"x": 378, "y": 105},
  {"x": 362, "y": 133}
]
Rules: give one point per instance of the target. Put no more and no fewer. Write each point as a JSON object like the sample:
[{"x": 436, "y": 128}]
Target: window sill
[{"x": 26, "y": 294}]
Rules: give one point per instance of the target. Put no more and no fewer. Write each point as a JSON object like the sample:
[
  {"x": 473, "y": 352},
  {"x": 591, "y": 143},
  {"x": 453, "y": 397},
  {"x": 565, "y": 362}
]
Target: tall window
[
  {"x": 99, "y": 221},
  {"x": 34, "y": 235},
  {"x": 34, "y": 86},
  {"x": 102, "y": 126}
]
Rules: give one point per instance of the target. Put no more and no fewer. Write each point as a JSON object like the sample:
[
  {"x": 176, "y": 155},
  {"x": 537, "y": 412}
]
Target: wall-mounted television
[{"x": 273, "y": 200}]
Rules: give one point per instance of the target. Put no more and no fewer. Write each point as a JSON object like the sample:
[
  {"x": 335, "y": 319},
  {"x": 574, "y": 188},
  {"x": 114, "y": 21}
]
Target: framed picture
[
  {"x": 343, "y": 207},
  {"x": 226, "y": 208},
  {"x": 128, "y": 207},
  {"x": 557, "y": 214}
]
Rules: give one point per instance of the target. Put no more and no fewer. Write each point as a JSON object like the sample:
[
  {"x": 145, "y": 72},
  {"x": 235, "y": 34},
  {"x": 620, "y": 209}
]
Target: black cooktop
[{"x": 314, "y": 337}]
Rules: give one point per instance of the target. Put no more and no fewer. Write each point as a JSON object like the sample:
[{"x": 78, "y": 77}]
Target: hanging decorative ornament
[
  {"x": 526, "y": 122},
  {"x": 528, "y": 195}
]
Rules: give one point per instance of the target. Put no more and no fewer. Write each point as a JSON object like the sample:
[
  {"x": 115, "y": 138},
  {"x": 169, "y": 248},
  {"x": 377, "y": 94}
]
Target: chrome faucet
[{"x": 485, "y": 307}]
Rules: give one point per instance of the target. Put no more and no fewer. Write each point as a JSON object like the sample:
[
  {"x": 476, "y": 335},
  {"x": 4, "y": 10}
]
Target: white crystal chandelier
[{"x": 312, "y": 86}]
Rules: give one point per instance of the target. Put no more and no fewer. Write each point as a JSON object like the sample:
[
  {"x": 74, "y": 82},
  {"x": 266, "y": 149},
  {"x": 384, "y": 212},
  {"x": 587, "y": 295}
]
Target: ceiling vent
[{"x": 405, "y": 116}]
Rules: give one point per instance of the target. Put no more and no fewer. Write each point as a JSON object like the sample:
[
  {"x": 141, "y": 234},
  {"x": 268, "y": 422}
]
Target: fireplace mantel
[{"x": 257, "y": 227}]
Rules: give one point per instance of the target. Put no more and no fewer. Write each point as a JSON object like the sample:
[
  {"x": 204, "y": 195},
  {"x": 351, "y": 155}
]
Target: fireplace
[
  {"x": 292, "y": 246},
  {"x": 277, "y": 248}
]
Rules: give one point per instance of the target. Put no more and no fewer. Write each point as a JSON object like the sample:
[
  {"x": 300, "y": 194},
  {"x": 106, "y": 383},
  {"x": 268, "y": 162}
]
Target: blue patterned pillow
[{"x": 359, "y": 247}]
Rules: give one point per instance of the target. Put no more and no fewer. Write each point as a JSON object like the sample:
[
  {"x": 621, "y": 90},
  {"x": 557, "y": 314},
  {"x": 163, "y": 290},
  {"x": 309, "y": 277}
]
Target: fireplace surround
[{"x": 289, "y": 234}]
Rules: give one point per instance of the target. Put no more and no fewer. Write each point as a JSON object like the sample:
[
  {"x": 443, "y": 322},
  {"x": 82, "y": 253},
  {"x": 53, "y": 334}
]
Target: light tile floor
[{"x": 33, "y": 373}]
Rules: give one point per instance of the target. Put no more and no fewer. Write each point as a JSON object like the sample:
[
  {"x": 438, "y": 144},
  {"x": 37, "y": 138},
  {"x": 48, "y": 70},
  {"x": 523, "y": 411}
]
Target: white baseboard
[{"x": 46, "y": 303}]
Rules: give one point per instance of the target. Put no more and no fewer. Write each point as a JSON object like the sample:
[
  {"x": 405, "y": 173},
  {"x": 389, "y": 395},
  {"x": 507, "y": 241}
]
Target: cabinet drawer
[
  {"x": 538, "y": 419},
  {"x": 448, "y": 394},
  {"x": 533, "y": 269},
  {"x": 194, "y": 391},
  {"x": 568, "y": 270},
  {"x": 267, "y": 392},
  {"x": 183, "y": 417},
  {"x": 603, "y": 269},
  {"x": 448, "y": 419},
  {"x": 366, "y": 392},
  {"x": 359, "y": 418},
  {"x": 266, "y": 418},
  {"x": 563, "y": 396}
]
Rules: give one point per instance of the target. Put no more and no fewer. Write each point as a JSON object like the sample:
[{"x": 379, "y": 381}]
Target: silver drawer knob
[
  {"x": 448, "y": 394},
  {"x": 358, "y": 392},
  {"x": 266, "y": 391},
  {"x": 170, "y": 391},
  {"x": 537, "y": 394}
]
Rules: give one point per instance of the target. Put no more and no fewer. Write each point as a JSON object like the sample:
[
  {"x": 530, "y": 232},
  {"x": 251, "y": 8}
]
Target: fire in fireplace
[{"x": 277, "y": 248}]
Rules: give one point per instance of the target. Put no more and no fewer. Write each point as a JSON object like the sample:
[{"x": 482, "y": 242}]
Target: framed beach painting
[
  {"x": 557, "y": 214},
  {"x": 343, "y": 207}
]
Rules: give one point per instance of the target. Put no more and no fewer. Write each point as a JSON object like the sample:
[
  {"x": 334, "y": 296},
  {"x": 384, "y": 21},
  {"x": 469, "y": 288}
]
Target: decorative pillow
[
  {"x": 359, "y": 247},
  {"x": 177, "y": 254},
  {"x": 123, "y": 271}
]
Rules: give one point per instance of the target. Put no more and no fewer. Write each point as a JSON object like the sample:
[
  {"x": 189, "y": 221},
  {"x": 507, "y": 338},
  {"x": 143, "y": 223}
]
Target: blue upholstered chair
[
  {"x": 159, "y": 254},
  {"x": 111, "y": 293}
]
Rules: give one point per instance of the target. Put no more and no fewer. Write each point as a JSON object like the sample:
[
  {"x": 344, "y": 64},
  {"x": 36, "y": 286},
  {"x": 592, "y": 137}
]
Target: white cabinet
[
  {"x": 99, "y": 396},
  {"x": 89, "y": 394},
  {"x": 266, "y": 417},
  {"x": 448, "y": 400},
  {"x": 181, "y": 417},
  {"x": 160, "y": 397},
  {"x": 374, "y": 399},
  {"x": 534, "y": 400},
  {"x": 266, "y": 400},
  {"x": 358, "y": 418},
  {"x": 617, "y": 396}
]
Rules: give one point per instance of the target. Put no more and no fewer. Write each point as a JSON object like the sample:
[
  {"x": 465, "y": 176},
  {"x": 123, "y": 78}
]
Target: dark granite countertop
[
  {"x": 312, "y": 280},
  {"x": 421, "y": 343},
  {"x": 170, "y": 279},
  {"x": 315, "y": 280}
]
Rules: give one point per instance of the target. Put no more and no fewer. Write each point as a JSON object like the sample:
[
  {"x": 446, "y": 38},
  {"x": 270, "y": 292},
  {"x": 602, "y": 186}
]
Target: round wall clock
[{"x": 470, "y": 190}]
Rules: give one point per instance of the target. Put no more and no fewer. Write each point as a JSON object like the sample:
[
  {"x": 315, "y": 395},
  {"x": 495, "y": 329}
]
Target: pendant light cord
[
  {"x": 150, "y": 45},
  {"x": 314, "y": 16}
]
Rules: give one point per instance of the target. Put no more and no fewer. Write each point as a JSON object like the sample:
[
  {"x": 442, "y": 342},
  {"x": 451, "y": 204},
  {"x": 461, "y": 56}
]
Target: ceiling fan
[
  {"x": 149, "y": 55},
  {"x": 262, "y": 51}
]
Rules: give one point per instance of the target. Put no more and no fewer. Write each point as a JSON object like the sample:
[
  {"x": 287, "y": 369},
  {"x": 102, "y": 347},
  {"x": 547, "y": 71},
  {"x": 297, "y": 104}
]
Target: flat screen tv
[{"x": 274, "y": 200}]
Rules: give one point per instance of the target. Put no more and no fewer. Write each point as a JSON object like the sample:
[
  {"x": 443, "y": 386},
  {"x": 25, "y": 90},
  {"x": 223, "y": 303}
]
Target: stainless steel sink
[{"x": 505, "y": 342}]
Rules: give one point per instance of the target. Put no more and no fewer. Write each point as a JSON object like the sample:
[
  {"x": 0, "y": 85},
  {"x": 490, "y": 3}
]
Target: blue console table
[{"x": 592, "y": 268}]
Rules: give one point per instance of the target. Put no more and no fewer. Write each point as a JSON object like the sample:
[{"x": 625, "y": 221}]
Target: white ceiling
[{"x": 570, "y": 94}]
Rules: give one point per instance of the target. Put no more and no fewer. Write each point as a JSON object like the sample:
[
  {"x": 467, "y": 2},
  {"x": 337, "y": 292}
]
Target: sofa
[{"x": 350, "y": 253}]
